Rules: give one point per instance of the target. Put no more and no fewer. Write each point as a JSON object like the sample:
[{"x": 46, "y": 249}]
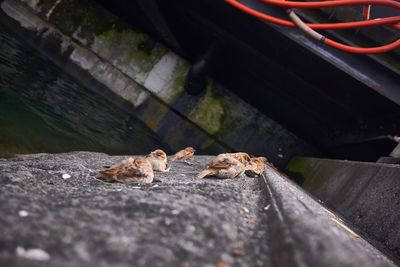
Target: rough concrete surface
[
  {"x": 366, "y": 194},
  {"x": 81, "y": 221},
  {"x": 54, "y": 203},
  {"x": 312, "y": 235}
]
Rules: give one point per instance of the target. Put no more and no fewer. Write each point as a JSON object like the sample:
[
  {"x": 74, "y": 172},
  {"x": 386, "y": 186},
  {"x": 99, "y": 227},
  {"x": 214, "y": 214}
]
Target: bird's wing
[
  {"x": 187, "y": 154},
  {"x": 179, "y": 155},
  {"x": 134, "y": 171},
  {"x": 220, "y": 165},
  {"x": 243, "y": 157},
  {"x": 206, "y": 172},
  {"x": 113, "y": 169}
]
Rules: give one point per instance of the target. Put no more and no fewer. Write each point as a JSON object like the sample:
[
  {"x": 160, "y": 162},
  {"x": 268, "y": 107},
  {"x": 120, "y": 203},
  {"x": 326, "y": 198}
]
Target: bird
[
  {"x": 131, "y": 170},
  {"x": 243, "y": 157},
  {"x": 184, "y": 154},
  {"x": 223, "y": 166},
  {"x": 158, "y": 160},
  {"x": 256, "y": 166}
]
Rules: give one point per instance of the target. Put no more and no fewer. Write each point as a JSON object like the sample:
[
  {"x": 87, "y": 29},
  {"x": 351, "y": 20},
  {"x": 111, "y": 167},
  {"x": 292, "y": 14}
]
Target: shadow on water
[{"x": 43, "y": 109}]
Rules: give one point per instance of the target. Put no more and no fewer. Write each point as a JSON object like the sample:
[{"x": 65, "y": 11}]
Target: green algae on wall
[
  {"x": 209, "y": 112},
  {"x": 122, "y": 49},
  {"x": 207, "y": 145},
  {"x": 132, "y": 52},
  {"x": 83, "y": 16},
  {"x": 82, "y": 19},
  {"x": 135, "y": 54}
]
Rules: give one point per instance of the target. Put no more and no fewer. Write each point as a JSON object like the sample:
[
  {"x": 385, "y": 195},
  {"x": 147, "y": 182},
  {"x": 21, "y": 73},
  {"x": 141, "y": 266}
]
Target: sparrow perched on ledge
[
  {"x": 131, "y": 170},
  {"x": 223, "y": 166},
  {"x": 184, "y": 154},
  {"x": 256, "y": 166},
  {"x": 243, "y": 157},
  {"x": 158, "y": 160}
]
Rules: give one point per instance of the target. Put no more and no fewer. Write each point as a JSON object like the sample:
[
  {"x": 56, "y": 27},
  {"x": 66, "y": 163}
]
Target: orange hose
[
  {"x": 322, "y": 26},
  {"x": 361, "y": 50},
  {"x": 331, "y": 3},
  {"x": 309, "y": 27},
  {"x": 357, "y": 50}
]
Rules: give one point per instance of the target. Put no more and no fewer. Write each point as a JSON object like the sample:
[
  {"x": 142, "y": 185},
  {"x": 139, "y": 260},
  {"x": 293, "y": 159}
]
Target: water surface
[{"x": 43, "y": 109}]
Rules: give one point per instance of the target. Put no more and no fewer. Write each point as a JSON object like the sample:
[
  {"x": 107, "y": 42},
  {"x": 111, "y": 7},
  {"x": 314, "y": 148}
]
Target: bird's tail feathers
[
  {"x": 251, "y": 173},
  {"x": 102, "y": 175},
  {"x": 206, "y": 172}
]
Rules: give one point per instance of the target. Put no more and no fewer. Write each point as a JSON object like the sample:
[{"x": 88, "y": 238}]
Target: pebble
[
  {"x": 23, "y": 213},
  {"x": 66, "y": 176},
  {"x": 175, "y": 212}
]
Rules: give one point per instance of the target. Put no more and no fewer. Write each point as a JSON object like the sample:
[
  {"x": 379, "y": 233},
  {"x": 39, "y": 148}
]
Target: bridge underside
[{"x": 346, "y": 105}]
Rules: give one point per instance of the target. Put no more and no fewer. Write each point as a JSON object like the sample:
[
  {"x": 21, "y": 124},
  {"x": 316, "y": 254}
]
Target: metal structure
[{"x": 340, "y": 102}]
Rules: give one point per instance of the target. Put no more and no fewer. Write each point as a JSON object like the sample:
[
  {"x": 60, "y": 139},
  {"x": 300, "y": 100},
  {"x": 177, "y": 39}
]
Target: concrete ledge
[
  {"x": 307, "y": 234},
  {"x": 388, "y": 160},
  {"x": 81, "y": 221},
  {"x": 366, "y": 194}
]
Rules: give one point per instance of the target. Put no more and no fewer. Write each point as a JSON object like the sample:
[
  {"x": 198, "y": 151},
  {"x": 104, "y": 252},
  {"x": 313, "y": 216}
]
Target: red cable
[
  {"x": 392, "y": 21},
  {"x": 332, "y": 3},
  {"x": 322, "y": 26},
  {"x": 360, "y": 50},
  {"x": 370, "y": 50}
]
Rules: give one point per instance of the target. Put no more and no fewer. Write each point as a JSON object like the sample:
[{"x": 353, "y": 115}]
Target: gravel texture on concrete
[
  {"x": 81, "y": 221},
  {"x": 54, "y": 203}
]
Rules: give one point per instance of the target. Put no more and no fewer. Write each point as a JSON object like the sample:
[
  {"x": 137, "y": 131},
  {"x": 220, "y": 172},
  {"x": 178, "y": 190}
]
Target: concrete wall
[
  {"x": 93, "y": 44},
  {"x": 366, "y": 194}
]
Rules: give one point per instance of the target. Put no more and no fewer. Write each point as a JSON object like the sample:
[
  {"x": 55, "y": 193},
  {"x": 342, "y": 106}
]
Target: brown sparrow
[
  {"x": 223, "y": 166},
  {"x": 256, "y": 166},
  {"x": 184, "y": 154},
  {"x": 158, "y": 160},
  {"x": 131, "y": 170},
  {"x": 243, "y": 157}
]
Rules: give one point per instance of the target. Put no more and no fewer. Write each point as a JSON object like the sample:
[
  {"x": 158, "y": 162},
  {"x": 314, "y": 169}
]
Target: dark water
[{"x": 43, "y": 109}]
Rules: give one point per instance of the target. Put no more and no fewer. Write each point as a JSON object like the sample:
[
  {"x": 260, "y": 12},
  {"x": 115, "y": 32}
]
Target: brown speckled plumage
[
  {"x": 184, "y": 154},
  {"x": 130, "y": 170},
  {"x": 223, "y": 166},
  {"x": 158, "y": 160}
]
